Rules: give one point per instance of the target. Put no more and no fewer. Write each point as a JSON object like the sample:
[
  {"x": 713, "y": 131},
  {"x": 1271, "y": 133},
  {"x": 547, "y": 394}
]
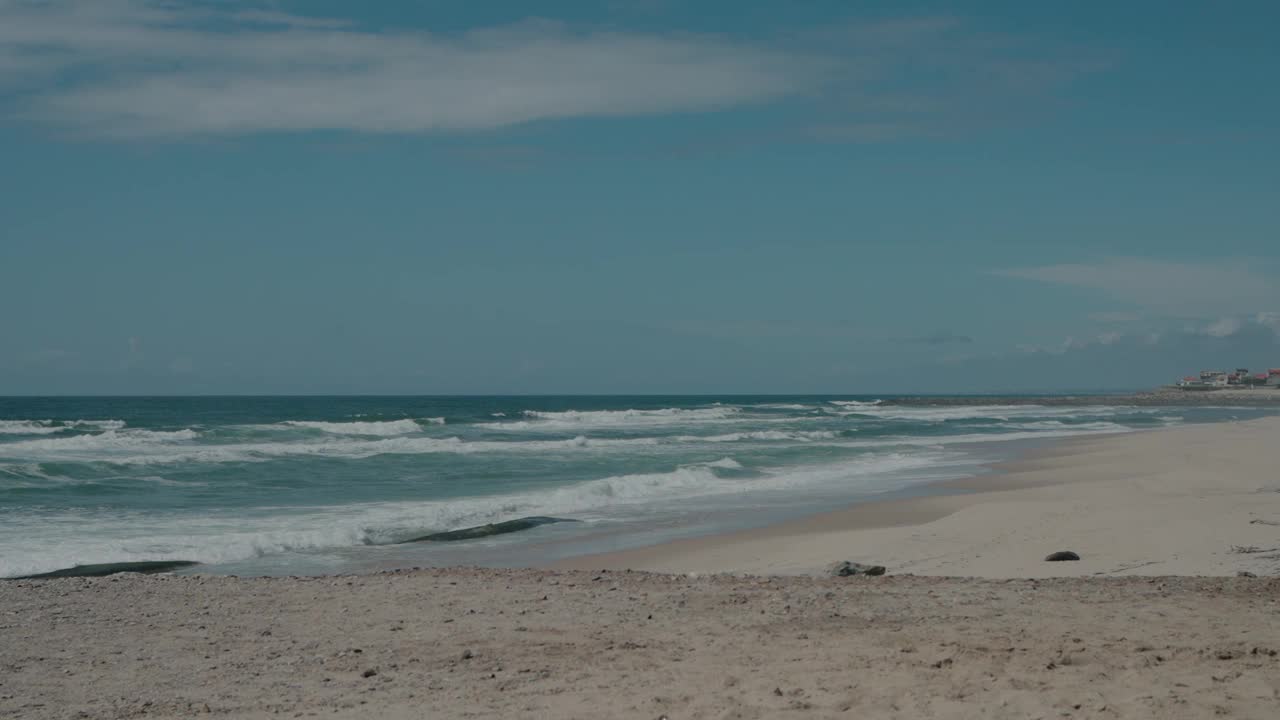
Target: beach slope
[{"x": 1192, "y": 500}]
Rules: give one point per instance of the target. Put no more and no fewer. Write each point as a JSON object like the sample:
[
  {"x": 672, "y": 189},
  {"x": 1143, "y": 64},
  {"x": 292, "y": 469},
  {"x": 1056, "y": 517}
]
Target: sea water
[{"x": 294, "y": 485}]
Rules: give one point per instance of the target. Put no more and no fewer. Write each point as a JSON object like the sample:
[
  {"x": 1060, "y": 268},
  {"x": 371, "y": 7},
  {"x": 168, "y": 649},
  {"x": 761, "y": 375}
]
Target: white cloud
[
  {"x": 136, "y": 68},
  {"x": 1262, "y": 326},
  {"x": 1269, "y": 320},
  {"x": 1115, "y": 317},
  {"x": 177, "y": 68},
  {"x": 267, "y": 17},
  {"x": 1109, "y": 338},
  {"x": 1199, "y": 289},
  {"x": 1224, "y": 327}
]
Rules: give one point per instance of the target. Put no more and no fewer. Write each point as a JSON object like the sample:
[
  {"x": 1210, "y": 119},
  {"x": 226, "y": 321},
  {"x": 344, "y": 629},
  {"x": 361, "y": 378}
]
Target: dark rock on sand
[
  {"x": 1245, "y": 574},
  {"x": 844, "y": 568},
  {"x": 1062, "y": 555},
  {"x": 490, "y": 530},
  {"x": 148, "y": 567}
]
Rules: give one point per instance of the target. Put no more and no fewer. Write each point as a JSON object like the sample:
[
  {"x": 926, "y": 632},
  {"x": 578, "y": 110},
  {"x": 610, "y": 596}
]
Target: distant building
[
  {"x": 1213, "y": 378},
  {"x": 1217, "y": 379},
  {"x": 1208, "y": 380},
  {"x": 1255, "y": 380}
]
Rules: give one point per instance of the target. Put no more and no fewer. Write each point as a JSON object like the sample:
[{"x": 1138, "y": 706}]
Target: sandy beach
[
  {"x": 742, "y": 625},
  {"x": 539, "y": 644},
  {"x": 1197, "y": 500}
]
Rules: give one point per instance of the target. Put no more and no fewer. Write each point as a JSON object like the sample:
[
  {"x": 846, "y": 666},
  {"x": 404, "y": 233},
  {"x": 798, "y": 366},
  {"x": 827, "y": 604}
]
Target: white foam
[
  {"x": 765, "y": 435},
  {"x": 784, "y": 406},
  {"x": 49, "y": 427},
  {"x": 134, "y": 537},
  {"x": 146, "y": 447},
  {"x": 172, "y": 483},
  {"x": 587, "y": 419},
  {"x": 727, "y": 463},
  {"x": 383, "y": 428},
  {"x": 43, "y": 542},
  {"x": 987, "y": 412},
  {"x": 943, "y": 441},
  {"x": 97, "y": 424},
  {"x": 434, "y": 420},
  {"x": 29, "y": 427},
  {"x": 1059, "y": 425},
  {"x": 855, "y": 403},
  {"x": 27, "y": 475},
  {"x": 140, "y": 447},
  {"x": 111, "y": 440}
]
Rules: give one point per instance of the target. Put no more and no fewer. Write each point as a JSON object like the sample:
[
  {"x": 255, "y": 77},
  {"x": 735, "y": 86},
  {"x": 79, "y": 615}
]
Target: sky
[{"x": 635, "y": 196}]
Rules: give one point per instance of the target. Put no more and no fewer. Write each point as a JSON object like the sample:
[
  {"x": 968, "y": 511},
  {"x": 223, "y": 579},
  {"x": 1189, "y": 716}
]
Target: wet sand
[{"x": 1200, "y": 500}]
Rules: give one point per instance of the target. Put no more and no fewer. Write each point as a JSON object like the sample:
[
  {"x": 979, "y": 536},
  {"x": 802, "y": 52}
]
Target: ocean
[{"x": 318, "y": 485}]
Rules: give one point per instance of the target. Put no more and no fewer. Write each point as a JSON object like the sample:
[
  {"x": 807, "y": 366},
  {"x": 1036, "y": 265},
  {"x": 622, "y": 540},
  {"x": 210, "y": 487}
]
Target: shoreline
[
  {"x": 726, "y": 641},
  {"x": 1158, "y": 397},
  {"x": 883, "y": 502},
  {"x": 1172, "y": 501}
]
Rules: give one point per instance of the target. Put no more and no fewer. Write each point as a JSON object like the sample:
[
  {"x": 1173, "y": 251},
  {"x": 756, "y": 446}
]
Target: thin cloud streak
[
  {"x": 1197, "y": 289},
  {"x": 131, "y": 68},
  {"x": 941, "y": 337}
]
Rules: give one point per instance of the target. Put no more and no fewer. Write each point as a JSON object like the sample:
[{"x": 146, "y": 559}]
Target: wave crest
[
  {"x": 375, "y": 428},
  {"x": 49, "y": 427},
  {"x": 109, "y": 440},
  {"x": 765, "y": 435},
  {"x": 586, "y": 419}
]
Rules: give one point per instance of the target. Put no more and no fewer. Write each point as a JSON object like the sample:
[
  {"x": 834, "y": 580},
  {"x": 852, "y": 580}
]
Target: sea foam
[
  {"x": 49, "y": 427},
  {"x": 385, "y": 428},
  {"x": 589, "y": 419},
  {"x": 220, "y": 538},
  {"x": 141, "y": 447},
  {"x": 999, "y": 413}
]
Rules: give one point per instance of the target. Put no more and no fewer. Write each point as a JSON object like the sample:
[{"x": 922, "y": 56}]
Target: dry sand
[
  {"x": 460, "y": 643},
  {"x": 541, "y": 644}
]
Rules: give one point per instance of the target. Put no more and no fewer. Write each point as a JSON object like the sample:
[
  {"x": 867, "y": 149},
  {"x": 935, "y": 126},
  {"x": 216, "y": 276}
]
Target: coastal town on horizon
[{"x": 1240, "y": 378}]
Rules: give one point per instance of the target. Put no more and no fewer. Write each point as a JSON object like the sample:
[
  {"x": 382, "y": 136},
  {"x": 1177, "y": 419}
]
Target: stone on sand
[{"x": 845, "y": 568}]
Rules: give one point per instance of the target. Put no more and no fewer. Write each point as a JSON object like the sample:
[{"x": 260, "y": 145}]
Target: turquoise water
[{"x": 330, "y": 484}]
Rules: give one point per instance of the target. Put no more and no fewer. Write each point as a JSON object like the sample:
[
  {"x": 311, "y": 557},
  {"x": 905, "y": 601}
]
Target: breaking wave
[
  {"x": 386, "y": 428},
  {"x": 585, "y": 419},
  {"x": 220, "y": 539},
  {"x": 152, "y": 448},
  {"x": 110, "y": 440},
  {"x": 1001, "y": 413},
  {"x": 727, "y": 463},
  {"x": 764, "y": 435},
  {"x": 49, "y": 427},
  {"x": 224, "y": 480}
]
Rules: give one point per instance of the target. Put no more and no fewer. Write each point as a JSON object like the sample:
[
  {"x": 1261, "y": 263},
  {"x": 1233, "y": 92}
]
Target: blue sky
[{"x": 634, "y": 196}]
